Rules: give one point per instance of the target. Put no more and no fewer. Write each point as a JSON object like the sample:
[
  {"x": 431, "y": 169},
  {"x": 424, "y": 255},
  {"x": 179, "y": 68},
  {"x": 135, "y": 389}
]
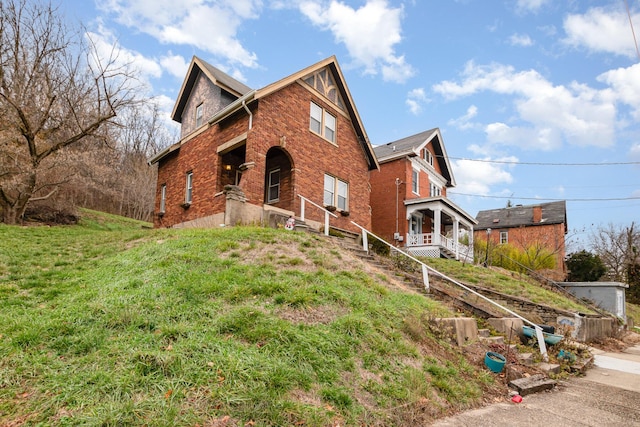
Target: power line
[
  {"x": 635, "y": 40},
  {"x": 513, "y": 162},
  {"x": 608, "y": 199}
]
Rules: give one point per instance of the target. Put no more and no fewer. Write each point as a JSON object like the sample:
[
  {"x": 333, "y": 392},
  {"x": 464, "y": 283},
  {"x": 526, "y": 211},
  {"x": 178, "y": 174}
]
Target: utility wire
[
  {"x": 609, "y": 199},
  {"x": 513, "y": 162}
]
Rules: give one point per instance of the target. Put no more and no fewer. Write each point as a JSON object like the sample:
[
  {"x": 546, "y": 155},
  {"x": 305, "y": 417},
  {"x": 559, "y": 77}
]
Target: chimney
[{"x": 537, "y": 214}]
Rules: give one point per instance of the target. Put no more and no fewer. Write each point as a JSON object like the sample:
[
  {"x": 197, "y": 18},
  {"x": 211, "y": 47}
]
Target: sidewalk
[{"x": 608, "y": 396}]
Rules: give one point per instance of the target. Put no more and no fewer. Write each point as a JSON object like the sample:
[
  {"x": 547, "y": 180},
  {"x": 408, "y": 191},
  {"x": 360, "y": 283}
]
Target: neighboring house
[
  {"x": 409, "y": 198},
  {"x": 248, "y": 156},
  {"x": 544, "y": 224}
]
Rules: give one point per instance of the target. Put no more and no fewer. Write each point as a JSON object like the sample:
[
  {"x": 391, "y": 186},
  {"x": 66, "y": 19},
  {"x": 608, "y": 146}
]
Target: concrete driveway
[{"x": 609, "y": 395}]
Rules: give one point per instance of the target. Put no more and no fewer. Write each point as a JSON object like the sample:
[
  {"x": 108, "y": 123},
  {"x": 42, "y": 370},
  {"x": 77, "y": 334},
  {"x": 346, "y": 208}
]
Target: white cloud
[
  {"x": 415, "y": 99},
  {"x": 369, "y": 34},
  {"x": 530, "y": 5},
  {"x": 464, "y": 122},
  {"x": 634, "y": 152},
  {"x": 625, "y": 84},
  {"x": 108, "y": 49},
  {"x": 601, "y": 30},
  {"x": 520, "y": 40},
  {"x": 209, "y": 26},
  {"x": 473, "y": 177},
  {"x": 176, "y": 65},
  {"x": 546, "y": 114}
]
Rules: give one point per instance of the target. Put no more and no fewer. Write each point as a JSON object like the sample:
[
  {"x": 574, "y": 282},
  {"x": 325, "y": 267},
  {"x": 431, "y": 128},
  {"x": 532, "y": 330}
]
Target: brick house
[
  {"x": 409, "y": 198},
  {"x": 247, "y": 155},
  {"x": 544, "y": 224}
]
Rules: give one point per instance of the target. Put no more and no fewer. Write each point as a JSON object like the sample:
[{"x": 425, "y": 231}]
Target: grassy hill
[{"x": 112, "y": 323}]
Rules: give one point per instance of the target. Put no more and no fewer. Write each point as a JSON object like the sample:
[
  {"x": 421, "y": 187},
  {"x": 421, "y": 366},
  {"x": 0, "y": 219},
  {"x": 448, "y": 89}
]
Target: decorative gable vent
[{"x": 322, "y": 81}]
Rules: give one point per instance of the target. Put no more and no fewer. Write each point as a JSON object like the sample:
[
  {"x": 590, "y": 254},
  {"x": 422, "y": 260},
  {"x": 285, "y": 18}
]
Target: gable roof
[
  {"x": 523, "y": 216},
  {"x": 247, "y": 95},
  {"x": 331, "y": 63},
  {"x": 411, "y": 146},
  {"x": 216, "y": 76}
]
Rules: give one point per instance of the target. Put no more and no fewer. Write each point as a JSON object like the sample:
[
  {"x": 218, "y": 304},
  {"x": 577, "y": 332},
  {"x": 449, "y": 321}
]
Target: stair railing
[
  {"x": 426, "y": 269},
  {"x": 326, "y": 212}
]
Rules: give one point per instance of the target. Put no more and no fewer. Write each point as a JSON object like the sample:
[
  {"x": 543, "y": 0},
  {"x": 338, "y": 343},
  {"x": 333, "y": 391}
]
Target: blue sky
[{"x": 537, "y": 100}]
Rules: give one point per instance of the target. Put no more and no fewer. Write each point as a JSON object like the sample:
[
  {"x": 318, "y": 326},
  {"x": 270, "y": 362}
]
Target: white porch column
[
  {"x": 437, "y": 225},
  {"x": 456, "y": 223}
]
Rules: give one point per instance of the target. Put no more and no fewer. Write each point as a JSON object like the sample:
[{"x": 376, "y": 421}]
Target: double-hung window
[
  {"x": 273, "y": 186},
  {"x": 435, "y": 190},
  {"x": 336, "y": 193},
  {"x": 199, "y": 115},
  {"x": 322, "y": 122},
  {"x": 163, "y": 198},
  {"x": 415, "y": 186},
  {"x": 188, "y": 196},
  {"x": 504, "y": 237}
]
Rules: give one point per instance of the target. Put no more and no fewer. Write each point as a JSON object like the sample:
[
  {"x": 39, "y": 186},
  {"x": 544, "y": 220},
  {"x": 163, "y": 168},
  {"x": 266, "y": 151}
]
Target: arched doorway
[{"x": 278, "y": 180}]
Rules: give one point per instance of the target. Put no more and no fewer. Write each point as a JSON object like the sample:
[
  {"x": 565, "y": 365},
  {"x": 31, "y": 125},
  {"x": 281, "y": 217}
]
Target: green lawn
[{"x": 111, "y": 323}]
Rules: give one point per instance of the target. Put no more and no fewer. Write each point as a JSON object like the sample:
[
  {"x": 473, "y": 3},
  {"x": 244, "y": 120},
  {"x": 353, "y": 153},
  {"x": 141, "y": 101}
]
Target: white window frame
[
  {"x": 163, "y": 198},
  {"x": 271, "y": 185},
  {"x": 322, "y": 123},
  {"x": 427, "y": 156},
  {"x": 415, "y": 181},
  {"x": 435, "y": 190},
  {"x": 188, "y": 195},
  {"x": 336, "y": 193},
  {"x": 199, "y": 114},
  {"x": 504, "y": 237}
]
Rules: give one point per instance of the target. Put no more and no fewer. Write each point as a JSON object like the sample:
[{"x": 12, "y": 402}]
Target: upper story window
[
  {"x": 163, "y": 198},
  {"x": 415, "y": 181},
  {"x": 336, "y": 193},
  {"x": 427, "y": 156},
  {"x": 322, "y": 122},
  {"x": 504, "y": 237},
  {"x": 188, "y": 196},
  {"x": 199, "y": 115},
  {"x": 435, "y": 191}
]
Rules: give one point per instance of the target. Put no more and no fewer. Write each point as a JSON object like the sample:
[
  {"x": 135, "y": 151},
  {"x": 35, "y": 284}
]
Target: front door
[{"x": 415, "y": 224}]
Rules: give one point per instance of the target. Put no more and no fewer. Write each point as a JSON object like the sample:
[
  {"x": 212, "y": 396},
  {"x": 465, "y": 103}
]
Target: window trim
[
  {"x": 270, "y": 186},
  {"x": 188, "y": 196},
  {"x": 335, "y": 193},
  {"x": 199, "y": 114},
  {"x": 163, "y": 198},
  {"x": 323, "y": 123},
  {"x": 504, "y": 237},
  {"x": 415, "y": 181}
]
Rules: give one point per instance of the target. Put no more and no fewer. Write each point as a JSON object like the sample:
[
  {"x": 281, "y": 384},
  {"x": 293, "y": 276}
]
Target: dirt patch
[
  {"x": 311, "y": 315},
  {"x": 45, "y": 215},
  {"x": 622, "y": 341}
]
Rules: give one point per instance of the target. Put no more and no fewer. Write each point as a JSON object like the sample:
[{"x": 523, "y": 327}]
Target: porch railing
[
  {"x": 304, "y": 200},
  {"x": 427, "y": 239},
  {"x": 426, "y": 270}
]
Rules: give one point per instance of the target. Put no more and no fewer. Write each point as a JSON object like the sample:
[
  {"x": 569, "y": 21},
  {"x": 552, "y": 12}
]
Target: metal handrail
[
  {"x": 326, "y": 212},
  {"x": 426, "y": 268}
]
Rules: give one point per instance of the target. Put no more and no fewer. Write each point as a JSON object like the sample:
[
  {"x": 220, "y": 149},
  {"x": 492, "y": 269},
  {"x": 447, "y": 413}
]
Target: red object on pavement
[{"x": 516, "y": 399}]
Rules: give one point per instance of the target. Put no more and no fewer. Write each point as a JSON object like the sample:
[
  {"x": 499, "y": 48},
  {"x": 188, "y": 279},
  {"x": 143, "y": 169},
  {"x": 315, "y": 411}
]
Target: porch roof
[{"x": 433, "y": 202}]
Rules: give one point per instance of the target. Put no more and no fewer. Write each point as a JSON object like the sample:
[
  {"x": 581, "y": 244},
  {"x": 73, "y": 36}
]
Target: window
[
  {"x": 188, "y": 197},
  {"x": 199, "y": 114},
  {"x": 504, "y": 237},
  {"x": 322, "y": 123},
  {"x": 163, "y": 197},
  {"x": 415, "y": 186},
  {"x": 427, "y": 156},
  {"x": 336, "y": 193},
  {"x": 435, "y": 191},
  {"x": 273, "y": 187}
]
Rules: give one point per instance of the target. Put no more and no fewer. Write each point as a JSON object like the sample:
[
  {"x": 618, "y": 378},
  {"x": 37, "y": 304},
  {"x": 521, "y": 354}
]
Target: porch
[
  {"x": 431, "y": 245},
  {"x": 446, "y": 223}
]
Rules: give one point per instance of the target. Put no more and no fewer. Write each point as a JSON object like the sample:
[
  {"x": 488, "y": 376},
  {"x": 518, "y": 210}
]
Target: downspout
[{"x": 244, "y": 104}]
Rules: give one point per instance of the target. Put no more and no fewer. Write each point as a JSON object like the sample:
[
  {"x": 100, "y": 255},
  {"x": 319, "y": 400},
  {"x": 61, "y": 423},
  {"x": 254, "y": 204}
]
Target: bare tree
[
  {"x": 617, "y": 246},
  {"x": 56, "y": 91}
]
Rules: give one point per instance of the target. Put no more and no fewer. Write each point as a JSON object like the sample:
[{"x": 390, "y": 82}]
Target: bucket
[{"x": 494, "y": 361}]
